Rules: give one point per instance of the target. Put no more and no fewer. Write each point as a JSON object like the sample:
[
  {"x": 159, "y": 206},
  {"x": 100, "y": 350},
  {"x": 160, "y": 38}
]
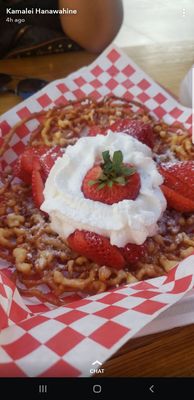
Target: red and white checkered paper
[{"x": 45, "y": 341}]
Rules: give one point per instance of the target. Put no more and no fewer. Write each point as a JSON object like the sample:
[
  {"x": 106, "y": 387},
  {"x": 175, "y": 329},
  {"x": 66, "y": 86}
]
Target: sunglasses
[{"x": 23, "y": 88}]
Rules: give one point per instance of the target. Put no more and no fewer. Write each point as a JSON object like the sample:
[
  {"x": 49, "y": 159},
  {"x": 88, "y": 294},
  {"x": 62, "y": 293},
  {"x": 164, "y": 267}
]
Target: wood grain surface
[
  {"x": 167, "y": 64},
  {"x": 166, "y": 354}
]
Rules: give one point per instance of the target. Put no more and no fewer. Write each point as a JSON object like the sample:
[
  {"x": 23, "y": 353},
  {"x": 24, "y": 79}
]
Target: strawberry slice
[
  {"x": 33, "y": 167},
  {"x": 97, "y": 248},
  {"x": 48, "y": 159},
  {"x": 178, "y": 187},
  {"x": 20, "y": 173},
  {"x": 133, "y": 252},
  {"x": 37, "y": 187},
  {"x": 42, "y": 164},
  {"x": 31, "y": 155},
  {"x": 42, "y": 158},
  {"x": 112, "y": 181},
  {"x": 176, "y": 200},
  {"x": 26, "y": 161},
  {"x": 179, "y": 177},
  {"x": 136, "y": 128}
]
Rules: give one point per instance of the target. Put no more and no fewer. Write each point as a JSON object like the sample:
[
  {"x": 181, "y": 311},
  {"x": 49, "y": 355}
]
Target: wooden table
[
  {"x": 166, "y": 354},
  {"x": 165, "y": 63}
]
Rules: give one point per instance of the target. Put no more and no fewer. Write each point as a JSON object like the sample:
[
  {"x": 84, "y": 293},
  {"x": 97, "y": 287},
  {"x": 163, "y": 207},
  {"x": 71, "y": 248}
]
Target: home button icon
[{"x": 97, "y": 388}]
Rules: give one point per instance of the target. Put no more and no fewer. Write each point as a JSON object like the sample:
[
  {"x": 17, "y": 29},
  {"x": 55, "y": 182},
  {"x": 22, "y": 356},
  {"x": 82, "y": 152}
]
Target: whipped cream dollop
[{"x": 128, "y": 221}]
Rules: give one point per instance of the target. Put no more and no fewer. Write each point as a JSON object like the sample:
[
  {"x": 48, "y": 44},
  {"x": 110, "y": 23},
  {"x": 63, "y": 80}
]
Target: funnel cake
[{"x": 45, "y": 264}]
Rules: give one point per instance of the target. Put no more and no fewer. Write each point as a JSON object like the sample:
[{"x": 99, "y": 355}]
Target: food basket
[{"x": 40, "y": 340}]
